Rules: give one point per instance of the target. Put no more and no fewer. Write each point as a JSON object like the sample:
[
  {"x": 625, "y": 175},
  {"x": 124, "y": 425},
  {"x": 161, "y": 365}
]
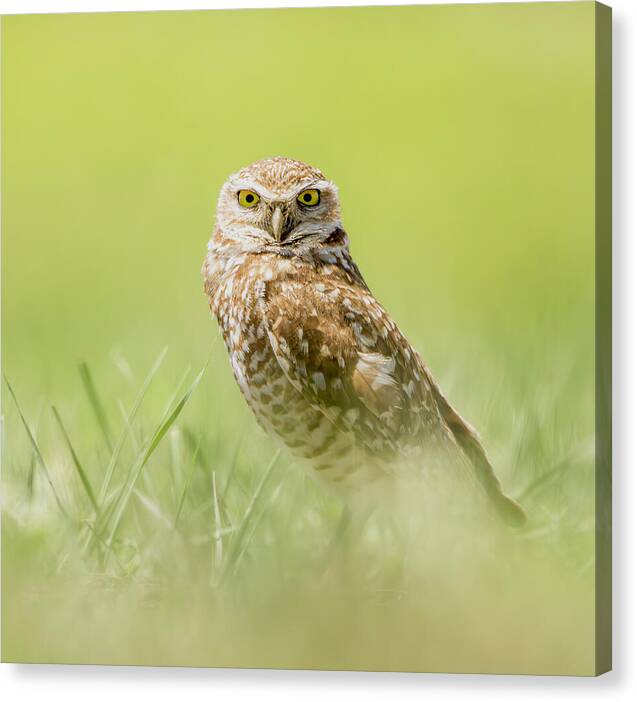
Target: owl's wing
[{"x": 343, "y": 352}]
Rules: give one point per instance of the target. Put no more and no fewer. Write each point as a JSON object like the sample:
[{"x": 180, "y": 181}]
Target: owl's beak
[{"x": 277, "y": 224}]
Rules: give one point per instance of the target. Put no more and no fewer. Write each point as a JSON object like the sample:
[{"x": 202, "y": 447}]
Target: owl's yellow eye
[
  {"x": 248, "y": 198},
  {"x": 309, "y": 197}
]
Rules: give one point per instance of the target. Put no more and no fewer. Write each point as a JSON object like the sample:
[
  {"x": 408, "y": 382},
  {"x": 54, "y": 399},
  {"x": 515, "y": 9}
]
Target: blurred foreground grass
[{"x": 161, "y": 540}]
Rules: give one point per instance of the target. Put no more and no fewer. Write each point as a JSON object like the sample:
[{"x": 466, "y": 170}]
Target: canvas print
[{"x": 306, "y": 338}]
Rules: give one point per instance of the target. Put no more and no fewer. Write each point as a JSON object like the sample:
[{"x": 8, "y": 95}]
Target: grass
[{"x": 155, "y": 539}]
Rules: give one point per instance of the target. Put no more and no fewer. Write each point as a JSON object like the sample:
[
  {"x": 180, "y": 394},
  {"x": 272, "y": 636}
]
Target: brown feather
[{"x": 318, "y": 359}]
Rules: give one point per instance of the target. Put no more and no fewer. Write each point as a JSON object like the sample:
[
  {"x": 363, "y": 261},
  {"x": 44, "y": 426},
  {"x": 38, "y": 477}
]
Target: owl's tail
[{"x": 466, "y": 436}]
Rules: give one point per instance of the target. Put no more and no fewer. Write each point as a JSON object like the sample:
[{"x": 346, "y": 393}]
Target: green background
[{"x": 462, "y": 141}]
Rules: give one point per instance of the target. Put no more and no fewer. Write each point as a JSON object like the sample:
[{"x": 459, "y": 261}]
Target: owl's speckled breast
[{"x": 236, "y": 287}]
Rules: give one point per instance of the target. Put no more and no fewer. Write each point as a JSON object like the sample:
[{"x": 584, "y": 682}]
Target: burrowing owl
[{"x": 318, "y": 359}]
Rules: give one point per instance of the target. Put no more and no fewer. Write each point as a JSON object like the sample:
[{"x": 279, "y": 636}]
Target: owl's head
[{"x": 278, "y": 202}]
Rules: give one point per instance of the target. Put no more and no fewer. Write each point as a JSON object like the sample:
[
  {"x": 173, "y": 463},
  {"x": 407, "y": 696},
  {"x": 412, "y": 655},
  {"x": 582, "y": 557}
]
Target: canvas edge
[{"x": 603, "y": 338}]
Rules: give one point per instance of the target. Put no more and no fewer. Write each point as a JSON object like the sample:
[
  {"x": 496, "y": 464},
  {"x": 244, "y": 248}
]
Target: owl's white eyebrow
[
  {"x": 318, "y": 184},
  {"x": 249, "y": 185},
  {"x": 270, "y": 195}
]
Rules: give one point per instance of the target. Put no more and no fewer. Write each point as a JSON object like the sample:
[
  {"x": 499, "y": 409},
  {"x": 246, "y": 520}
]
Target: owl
[{"x": 320, "y": 362}]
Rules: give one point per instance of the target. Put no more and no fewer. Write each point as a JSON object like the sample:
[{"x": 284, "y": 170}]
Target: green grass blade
[
  {"x": 189, "y": 477},
  {"x": 172, "y": 400},
  {"x": 36, "y": 448},
  {"x": 95, "y": 402},
  {"x": 169, "y": 421},
  {"x": 153, "y": 508},
  {"x": 233, "y": 463},
  {"x": 218, "y": 558},
  {"x": 159, "y": 434},
  {"x": 107, "y": 510},
  {"x": 33, "y": 461},
  {"x": 76, "y": 461},
  {"x": 254, "y": 525},
  {"x": 110, "y": 470},
  {"x": 237, "y": 548}
]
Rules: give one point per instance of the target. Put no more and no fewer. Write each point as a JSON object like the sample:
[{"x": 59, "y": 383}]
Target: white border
[{"x": 94, "y": 683}]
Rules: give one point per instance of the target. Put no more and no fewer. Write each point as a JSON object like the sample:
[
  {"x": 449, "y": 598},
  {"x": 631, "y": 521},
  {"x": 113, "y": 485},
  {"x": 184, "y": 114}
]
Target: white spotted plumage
[{"x": 317, "y": 358}]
